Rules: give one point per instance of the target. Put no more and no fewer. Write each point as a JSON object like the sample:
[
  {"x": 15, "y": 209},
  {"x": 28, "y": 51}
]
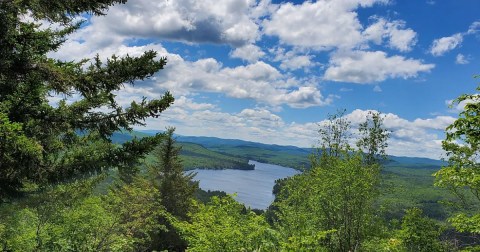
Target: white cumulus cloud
[
  {"x": 442, "y": 45},
  {"x": 293, "y": 59},
  {"x": 250, "y": 53},
  {"x": 394, "y": 32},
  {"x": 322, "y": 25},
  {"x": 371, "y": 67},
  {"x": 209, "y": 21}
]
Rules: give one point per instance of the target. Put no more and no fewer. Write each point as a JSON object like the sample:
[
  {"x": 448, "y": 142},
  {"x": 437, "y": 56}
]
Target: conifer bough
[{"x": 41, "y": 143}]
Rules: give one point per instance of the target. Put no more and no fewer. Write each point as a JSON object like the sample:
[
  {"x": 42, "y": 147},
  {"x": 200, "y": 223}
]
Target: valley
[{"x": 407, "y": 182}]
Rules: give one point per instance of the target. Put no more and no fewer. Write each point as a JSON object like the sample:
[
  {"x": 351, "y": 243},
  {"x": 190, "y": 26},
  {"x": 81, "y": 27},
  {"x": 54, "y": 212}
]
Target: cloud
[
  {"x": 304, "y": 30},
  {"x": 293, "y": 59},
  {"x": 442, "y": 45},
  {"x": 377, "y": 89},
  {"x": 372, "y": 67},
  {"x": 250, "y": 53},
  {"x": 474, "y": 28},
  {"x": 297, "y": 62},
  {"x": 322, "y": 25},
  {"x": 228, "y": 22},
  {"x": 417, "y": 138},
  {"x": 394, "y": 32},
  {"x": 438, "y": 123},
  {"x": 221, "y": 22},
  {"x": 258, "y": 125},
  {"x": 189, "y": 104},
  {"x": 257, "y": 81},
  {"x": 461, "y": 59},
  {"x": 261, "y": 118},
  {"x": 459, "y": 107}
]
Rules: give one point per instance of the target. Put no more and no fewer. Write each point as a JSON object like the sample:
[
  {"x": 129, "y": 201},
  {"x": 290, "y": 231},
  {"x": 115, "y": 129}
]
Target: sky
[{"x": 272, "y": 71}]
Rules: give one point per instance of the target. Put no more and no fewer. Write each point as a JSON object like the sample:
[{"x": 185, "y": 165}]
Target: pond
[{"x": 253, "y": 187}]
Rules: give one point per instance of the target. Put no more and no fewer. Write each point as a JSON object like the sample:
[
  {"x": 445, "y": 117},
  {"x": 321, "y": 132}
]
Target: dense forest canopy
[{"x": 55, "y": 160}]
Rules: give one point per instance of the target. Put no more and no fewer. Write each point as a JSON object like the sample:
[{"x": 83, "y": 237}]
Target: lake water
[{"x": 253, "y": 187}]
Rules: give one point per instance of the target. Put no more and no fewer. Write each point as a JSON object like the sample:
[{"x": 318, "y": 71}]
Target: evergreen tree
[
  {"x": 177, "y": 187},
  {"x": 177, "y": 190},
  {"x": 41, "y": 143}
]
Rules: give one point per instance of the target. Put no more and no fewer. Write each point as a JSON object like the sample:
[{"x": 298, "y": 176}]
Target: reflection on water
[{"x": 253, "y": 187}]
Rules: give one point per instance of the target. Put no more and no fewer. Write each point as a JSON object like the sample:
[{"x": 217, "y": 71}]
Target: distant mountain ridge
[{"x": 291, "y": 156}]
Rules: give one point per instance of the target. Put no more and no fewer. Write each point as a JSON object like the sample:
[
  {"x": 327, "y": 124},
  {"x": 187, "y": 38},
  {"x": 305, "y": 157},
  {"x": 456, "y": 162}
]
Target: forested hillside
[
  {"x": 57, "y": 191},
  {"x": 288, "y": 156},
  {"x": 193, "y": 156}
]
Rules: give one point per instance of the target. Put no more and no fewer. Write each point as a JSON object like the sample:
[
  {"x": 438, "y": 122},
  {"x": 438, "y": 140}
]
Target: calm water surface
[{"x": 253, "y": 187}]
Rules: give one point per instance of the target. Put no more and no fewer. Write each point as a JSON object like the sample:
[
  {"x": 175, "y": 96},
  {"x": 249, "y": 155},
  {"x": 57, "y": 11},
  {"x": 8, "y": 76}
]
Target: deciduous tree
[
  {"x": 331, "y": 205},
  {"x": 462, "y": 174}
]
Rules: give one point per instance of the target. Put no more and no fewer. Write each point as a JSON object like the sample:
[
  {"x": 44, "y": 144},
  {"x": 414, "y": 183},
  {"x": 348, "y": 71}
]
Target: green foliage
[
  {"x": 13, "y": 139},
  {"x": 334, "y": 199},
  {"x": 196, "y": 156},
  {"x": 419, "y": 233},
  {"x": 225, "y": 225},
  {"x": 137, "y": 207},
  {"x": 41, "y": 143},
  {"x": 176, "y": 187},
  {"x": 278, "y": 157},
  {"x": 466, "y": 224},
  {"x": 205, "y": 196},
  {"x": 383, "y": 245},
  {"x": 373, "y": 138},
  {"x": 405, "y": 187},
  {"x": 334, "y": 135},
  {"x": 416, "y": 234},
  {"x": 70, "y": 218},
  {"x": 331, "y": 205},
  {"x": 462, "y": 175}
]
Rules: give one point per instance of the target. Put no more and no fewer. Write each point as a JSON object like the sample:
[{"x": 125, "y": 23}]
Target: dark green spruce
[{"x": 41, "y": 143}]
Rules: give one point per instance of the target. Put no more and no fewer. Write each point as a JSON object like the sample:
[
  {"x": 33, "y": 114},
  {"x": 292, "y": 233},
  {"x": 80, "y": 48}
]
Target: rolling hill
[
  {"x": 406, "y": 181},
  {"x": 290, "y": 156}
]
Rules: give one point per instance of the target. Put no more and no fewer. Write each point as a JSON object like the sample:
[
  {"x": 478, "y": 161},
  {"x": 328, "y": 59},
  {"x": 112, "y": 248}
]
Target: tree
[
  {"x": 462, "y": 174},
  {"x": 334, "y": 134},
  {"x": 225, "y": 225},
  {"x": 373, "y": 138},
  {"x": 420, "y": 233},
  {"x": 416, "y": 233},
  {"x": 41, "y": 143},
  {"x": 331, "y": 205},
  {"x": 70, "y": 217},
  {"x": 176, "y": 187}
]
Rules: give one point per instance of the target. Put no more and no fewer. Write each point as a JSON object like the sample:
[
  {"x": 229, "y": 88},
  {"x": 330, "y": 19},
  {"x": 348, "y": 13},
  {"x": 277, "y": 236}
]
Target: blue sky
[{"x": 271, "y": 71}]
